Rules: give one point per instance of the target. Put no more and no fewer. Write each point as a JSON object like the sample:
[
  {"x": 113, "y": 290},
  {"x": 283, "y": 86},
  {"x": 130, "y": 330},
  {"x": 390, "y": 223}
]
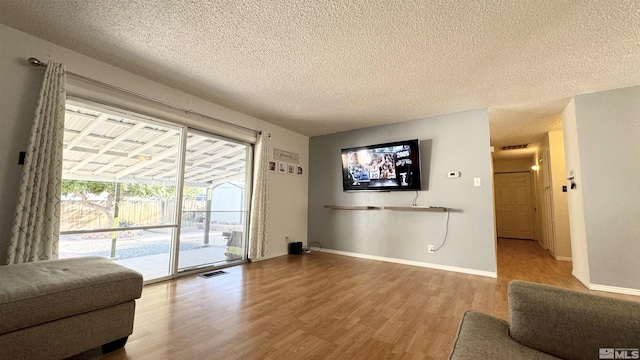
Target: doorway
[{"x": 214, "y": 205}]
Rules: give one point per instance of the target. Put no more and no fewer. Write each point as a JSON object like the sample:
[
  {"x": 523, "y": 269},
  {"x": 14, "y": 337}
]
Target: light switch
[{"x": 476, "y": 181}]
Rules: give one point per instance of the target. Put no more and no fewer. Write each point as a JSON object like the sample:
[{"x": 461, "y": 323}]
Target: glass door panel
[
  {"x": 214, "y": 207},
  {"x": 119, "y": 188}
]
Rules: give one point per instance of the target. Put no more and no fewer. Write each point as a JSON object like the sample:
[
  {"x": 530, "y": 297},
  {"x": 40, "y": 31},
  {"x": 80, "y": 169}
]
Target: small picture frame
[
  {"x": 272, "y": 166},
  {"x": 291, "y": 169},
  {"x": 299, "y": 171},
  {"x": 282, "y": 167}
]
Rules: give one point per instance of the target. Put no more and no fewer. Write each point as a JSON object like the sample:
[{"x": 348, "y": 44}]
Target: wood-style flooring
[{"x": 327, "y": 306}]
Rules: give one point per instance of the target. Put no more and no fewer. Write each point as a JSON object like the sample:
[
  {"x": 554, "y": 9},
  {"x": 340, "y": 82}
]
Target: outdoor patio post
[
  {"x": 207, "y": 216},
  {"x": 114, "y": 235}
]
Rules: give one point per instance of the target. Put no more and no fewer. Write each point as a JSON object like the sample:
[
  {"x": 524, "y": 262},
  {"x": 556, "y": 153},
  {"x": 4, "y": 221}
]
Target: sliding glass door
[
  {"x": 151, "y": 195},
  {"x": 214, "y": 201}
]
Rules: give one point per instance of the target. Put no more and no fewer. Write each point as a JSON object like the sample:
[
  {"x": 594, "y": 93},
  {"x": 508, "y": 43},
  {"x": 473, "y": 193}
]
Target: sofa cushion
[
  {"x": 34, "y": 293},
  {"x": 481, "y": 336},
  {"x": 569, "y": 324}
]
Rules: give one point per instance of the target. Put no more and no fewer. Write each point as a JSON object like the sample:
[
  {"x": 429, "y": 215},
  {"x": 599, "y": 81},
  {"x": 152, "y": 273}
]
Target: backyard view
[
  {"x": 92, "y": 206},
  {"x": 124, "y": 177}
]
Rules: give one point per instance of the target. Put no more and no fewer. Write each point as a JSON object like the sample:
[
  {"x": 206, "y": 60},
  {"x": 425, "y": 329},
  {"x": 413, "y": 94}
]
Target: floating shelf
[
  {"x": 394, "y": 208},
  {"x": 352, "y": 207},
  {"x": 415, "y": 208}
]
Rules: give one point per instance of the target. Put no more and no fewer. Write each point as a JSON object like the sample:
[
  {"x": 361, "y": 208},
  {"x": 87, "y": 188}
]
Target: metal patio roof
[{"x": 104, "y": 145}]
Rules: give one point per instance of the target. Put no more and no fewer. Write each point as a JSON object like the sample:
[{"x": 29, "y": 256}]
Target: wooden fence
[{"x": 76, "y": 216}]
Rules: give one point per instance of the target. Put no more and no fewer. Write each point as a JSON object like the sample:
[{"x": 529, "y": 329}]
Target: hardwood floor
[{"x": 327, "y": 306}]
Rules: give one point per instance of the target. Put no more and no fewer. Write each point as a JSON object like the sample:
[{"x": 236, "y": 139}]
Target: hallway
[{"x": 526, "y": 260}]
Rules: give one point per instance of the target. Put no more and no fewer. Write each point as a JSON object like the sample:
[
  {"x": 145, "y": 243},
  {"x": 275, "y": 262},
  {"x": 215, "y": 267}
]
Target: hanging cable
[
  {"x": 444, "y": 230},
  {"x": 307, "y": 250},
  {"x": 415, "y": 200}
]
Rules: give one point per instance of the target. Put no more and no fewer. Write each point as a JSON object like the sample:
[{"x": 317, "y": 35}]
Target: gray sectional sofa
[
  {"x": 58, "y": 308},
  {"x": 552, "y": 323}
]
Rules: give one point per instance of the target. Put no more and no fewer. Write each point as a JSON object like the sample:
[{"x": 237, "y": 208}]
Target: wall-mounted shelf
[
  {"x": 352, "y": 207},
  {"x": 415, "y": 208},
  {"x": 394, "y": 208}
]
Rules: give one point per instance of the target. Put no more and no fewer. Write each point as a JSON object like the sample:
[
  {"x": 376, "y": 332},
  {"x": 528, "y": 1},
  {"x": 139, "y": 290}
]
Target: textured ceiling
[{"x": 321, "y": 66}]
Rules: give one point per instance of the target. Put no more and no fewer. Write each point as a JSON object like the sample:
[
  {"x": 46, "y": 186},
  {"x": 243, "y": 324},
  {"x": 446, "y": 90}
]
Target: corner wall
[
  {"x": 579, "y": 248},
  {"x": 561, "y": 226},
  {"x": 454, "y": 142},
  {"x": 20, "y": 85},
  {"x": 608, "y": 141}
]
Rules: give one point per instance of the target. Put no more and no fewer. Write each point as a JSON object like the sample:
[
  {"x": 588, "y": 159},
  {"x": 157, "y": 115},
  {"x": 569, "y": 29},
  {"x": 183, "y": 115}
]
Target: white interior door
[{"x": 514, "y": 206}]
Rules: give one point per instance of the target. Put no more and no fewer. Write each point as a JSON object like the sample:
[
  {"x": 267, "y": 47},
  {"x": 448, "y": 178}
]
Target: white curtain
[
  {"x": 259, "y": 201},
  {"x": 36, "y": 223}
]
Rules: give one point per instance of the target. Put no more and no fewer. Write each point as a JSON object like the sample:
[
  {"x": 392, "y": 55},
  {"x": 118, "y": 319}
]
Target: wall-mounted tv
[{"x": 382, "y": 167}]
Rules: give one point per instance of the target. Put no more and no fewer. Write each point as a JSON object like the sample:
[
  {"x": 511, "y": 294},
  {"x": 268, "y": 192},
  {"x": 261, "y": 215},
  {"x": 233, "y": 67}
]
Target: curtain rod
[{"x": 35, "y": 62}]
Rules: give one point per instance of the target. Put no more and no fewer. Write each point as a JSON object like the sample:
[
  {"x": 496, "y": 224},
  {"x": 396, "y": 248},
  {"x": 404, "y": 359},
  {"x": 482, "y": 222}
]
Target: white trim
[
  {"x": 577, "y": 276},
  {"x": 562, "y": 258},
  {"x": 491, "y": 274},
  {"x": 615, "y": 289},
  {"x": 544, "y": 246},
  {"x": 267, "y": 257}
]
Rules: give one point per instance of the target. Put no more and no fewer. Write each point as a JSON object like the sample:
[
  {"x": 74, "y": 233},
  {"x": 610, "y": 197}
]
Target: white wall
[
  {"x": 20, "y": 84},
  {"x": 538, "y": 189},
  {"x": 288, "y": 194},
  {"x": 579, "y": 248},
  {"x": 608, "y": 141},
  {"x": 560, "y": 204},
  {"x": 453, "y": 142}
]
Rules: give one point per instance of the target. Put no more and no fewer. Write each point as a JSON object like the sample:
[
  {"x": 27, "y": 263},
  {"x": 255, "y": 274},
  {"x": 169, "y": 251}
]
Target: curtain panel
[
  {"x": 259, "y": 201},
  {"x": 36, "y": 224}
]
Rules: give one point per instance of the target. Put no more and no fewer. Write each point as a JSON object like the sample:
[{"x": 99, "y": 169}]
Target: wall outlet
[
  {"x": 476, "y": 182},
  {"x": 430, "y": 249}
]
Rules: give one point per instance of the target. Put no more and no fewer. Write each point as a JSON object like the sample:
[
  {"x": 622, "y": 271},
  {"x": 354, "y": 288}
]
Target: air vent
[
  {"x": 514, "y": 147},
  {"x": 212, "y": 274}
]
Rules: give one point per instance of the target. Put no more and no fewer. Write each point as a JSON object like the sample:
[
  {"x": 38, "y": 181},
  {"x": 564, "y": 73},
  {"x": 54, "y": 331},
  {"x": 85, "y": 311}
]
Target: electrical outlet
[{"x": 430, "y": 249}]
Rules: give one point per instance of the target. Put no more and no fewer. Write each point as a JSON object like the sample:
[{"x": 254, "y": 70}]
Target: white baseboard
[
  {"x": 615, "y": 289},
  {"x": 414, "y": 263},
  {"x": 562, "y": 258},
  {"x": 583, "y": 278}
]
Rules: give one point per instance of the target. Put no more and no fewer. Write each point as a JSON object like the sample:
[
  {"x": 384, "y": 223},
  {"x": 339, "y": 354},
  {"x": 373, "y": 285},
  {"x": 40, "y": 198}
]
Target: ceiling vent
[{"x": 514, "y": 147}]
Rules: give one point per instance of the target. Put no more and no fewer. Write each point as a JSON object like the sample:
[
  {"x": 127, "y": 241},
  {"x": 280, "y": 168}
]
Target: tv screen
[{"x": 382, "y": 167}]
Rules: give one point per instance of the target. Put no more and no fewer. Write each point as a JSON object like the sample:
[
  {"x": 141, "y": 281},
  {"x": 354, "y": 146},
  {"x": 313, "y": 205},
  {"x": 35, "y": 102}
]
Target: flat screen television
[{"x": 383, "y": 167}]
